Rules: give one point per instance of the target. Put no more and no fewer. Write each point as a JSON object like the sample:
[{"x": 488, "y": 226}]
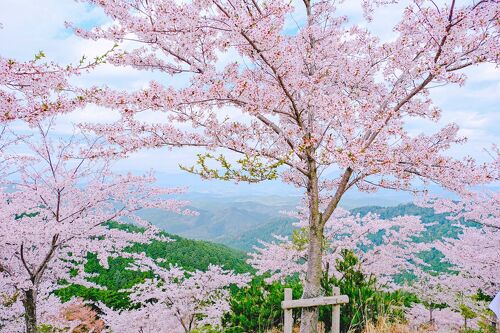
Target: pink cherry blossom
[
  {"x": 176, "y": 300},
  {"x": 352, "y": 232},
  {"x": 55, "y": 211},
  {"x": 33, "y": 90},
  {"x": 327, "y": 99}
]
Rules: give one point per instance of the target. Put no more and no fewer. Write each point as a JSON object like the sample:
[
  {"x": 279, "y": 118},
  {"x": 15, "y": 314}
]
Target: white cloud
[{"x": 31, "y": 25}]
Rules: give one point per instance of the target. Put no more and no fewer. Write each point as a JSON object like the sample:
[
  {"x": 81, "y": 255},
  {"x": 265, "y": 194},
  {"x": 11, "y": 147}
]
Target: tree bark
[
  {"x": 312, "y": 284},
  {"x": 29, "y": 304}
]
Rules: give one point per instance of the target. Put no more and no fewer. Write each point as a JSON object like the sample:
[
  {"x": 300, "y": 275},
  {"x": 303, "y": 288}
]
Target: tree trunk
[
  {"x": 312, "y": 284},
  {"x": 430, "y": 316},
  {"x": 29, "y": 304}
]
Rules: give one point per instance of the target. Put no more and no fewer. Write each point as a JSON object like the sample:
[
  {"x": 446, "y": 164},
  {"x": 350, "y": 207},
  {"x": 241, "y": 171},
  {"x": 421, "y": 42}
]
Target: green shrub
[
  {"x": 258, "y": 307},
  {"x": 367, "y": 301}
]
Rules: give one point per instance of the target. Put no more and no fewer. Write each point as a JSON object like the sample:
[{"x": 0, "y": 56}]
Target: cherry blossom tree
[
  {"x": 4, "y": 156},
  {"x": 81, "y": 318},
  {"x": 176, "y": 300},
  {"x": 50, "y": 311},
  {"x": 319, "y": 102},
  {"x": 384, "y": 247},
  {"x": 476, "y": 251},
  {"x": 482, "y": 207},
  {"x": 445, "y": 293},
  {"x": 435, "y": 293},
  {"x": 56, "y": 211},
  {"x": 444, "y": 320},
  {"x": 476, "y": 255}
]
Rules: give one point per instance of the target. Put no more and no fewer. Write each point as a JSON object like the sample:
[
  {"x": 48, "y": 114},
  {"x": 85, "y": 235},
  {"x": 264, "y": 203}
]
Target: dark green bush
[
  {"x": 367, "y": 301},
  {"x": 258, "y": 307}
]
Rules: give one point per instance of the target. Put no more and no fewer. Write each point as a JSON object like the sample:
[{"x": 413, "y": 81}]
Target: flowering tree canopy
[
  {"x": 177, "y": 300},
  {"x": 326, "y": 99},
  {"x": 56, "y": 210},
  {"x": 476, "y": 255},
  {"x": 384, "y": 246}
]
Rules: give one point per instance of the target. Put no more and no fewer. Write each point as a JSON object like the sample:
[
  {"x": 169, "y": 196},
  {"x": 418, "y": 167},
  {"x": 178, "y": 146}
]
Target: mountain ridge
[{"x": 240, "y": 223}]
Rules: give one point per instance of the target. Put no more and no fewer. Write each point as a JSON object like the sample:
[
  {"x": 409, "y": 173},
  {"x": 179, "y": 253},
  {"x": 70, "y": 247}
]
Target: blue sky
[{"x": 33, "y": 25}]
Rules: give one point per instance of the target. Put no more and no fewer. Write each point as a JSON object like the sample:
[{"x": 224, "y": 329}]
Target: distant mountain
[
  {"x": 241, "y": 221},
  {"x": 235, "y": 221},
  {"x": 246, "y": 241},
  {"x": 438, "y": 225}
]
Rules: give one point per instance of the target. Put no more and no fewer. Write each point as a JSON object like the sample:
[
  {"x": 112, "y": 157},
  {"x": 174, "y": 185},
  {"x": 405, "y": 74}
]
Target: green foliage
[
  {"x": 46, "y": 328},
  {"x": 434, "y": 306},
  {"x": 192, "y": 254},
  {"x": 367, "y": 302},
  {"x": 100, "y": 59},
  {"x": 20, "y": 216},
  {"x": 467, "y": 312},
  {"x": 300, "y": 238},
  {"x": 206, "y": 329},
  {"x": 485, "y": 322},
  {"x": 250, "y": 169},
  {"x": 39, "y": 55},
  {"x": 482, "y": 297},
  {"x": 436, "y": 262},
  {"x": 116, "y": 278},
  {"x": 257, "y": 308},
  {"x": 189, "y": 254},
  {"x": 7, "y": 300},
  {"x": 485, "y": 315}
]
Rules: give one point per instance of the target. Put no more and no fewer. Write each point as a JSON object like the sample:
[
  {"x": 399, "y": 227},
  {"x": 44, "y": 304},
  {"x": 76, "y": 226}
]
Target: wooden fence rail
[{"x": 289, "y": 303}]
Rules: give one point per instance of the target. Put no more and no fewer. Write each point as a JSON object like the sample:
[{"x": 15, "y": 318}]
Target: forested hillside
[
  {"x": 189, "y": 254},
  {"x": 437, "y": 225},
  {"x": 261, "y": 299},
  {"x": 237, "y": 222},
  {"x": 241, "y": 225}
]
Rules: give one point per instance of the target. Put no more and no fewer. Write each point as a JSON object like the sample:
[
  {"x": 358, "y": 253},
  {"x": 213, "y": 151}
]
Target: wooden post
[
  {"x": 288, "y": 324},
  {"x": 288, "y": 304},
  {"x": 336, "y": 313}
]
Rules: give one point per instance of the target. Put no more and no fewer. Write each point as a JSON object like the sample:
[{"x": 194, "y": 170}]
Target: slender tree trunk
[
  {"x": 29, "y": 304},
  {"x": 312, "y": 284},
  {"x": 430, "y": 316}
]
